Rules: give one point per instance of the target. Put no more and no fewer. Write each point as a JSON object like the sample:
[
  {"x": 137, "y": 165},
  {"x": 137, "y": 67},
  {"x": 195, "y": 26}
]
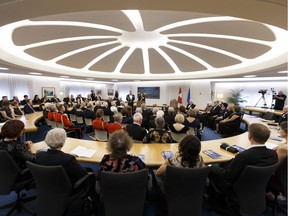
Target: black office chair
[
  {"x": 250, "y": 188},
  {"x": 124, "y": 193},
  {"x": 10, "y": 173},
  {"x": 54, "y": 189},
  {"x": 184, "y": 189},
  {"x": 278, "y": 185}
]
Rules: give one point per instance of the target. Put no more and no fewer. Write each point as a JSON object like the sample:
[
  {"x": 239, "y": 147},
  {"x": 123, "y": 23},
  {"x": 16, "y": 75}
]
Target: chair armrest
[{"x": 83, "y": 179}]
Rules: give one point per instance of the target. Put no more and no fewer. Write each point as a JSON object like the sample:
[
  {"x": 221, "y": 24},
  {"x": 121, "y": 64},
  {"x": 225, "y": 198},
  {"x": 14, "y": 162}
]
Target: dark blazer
[
  {"x": 55, "y": 100},
  {"x": 135, "y": 131},
  {"x": 255, "y": 156},
  {"x": 55, "y": 157},
  {"x": 215, "y": 109},
  {"x": 87, "y": 113},
  {"x": 129, "y": 100},
  {"x": 28, "y": 109}
]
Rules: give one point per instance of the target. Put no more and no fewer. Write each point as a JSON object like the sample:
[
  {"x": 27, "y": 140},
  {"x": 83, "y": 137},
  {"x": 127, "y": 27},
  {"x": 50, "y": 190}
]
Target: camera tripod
[{"x": 264, "y": 100}]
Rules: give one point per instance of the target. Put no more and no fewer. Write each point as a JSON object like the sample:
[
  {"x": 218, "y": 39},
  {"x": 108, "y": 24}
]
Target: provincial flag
[
  {"x": 188, "y": 96},
  {"x": 180, "y": 96}
]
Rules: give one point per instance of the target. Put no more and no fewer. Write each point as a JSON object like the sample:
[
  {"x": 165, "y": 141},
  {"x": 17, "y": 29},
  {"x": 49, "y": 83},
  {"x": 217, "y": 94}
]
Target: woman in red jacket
[{"x": 61, "y": 117}]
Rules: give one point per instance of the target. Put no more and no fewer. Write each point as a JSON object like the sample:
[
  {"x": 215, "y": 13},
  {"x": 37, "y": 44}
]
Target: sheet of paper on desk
[
  {"x": 81, "y": 151},
  {"x": 271, "y": 145}
]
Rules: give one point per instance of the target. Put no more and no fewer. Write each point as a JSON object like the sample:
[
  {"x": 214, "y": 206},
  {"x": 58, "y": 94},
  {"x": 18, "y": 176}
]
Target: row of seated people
[{"x": 118, "y": 159}]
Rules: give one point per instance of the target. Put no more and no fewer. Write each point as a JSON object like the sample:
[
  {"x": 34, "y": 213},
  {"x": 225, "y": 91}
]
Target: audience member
[
  {"x": 153, "y": 116},
  {"x": 191, "y": 105},
  {"x": 61, "y": 117},
  {"x": 55, "y": 99},
  {"x": 6, "y": 111},
  {"x": 135, "y": 130},
  {"x": 16, "y": 109},
  {"x": 26, "y": 98},
  {"x": 118, "y": 159},
  {"x": 52, "y": 111},
  {"x": 11, "y": 131},
  {"x": 116, "y": 125},
  {"x": 178, "y": 126},
  {"x": 232, "y": 122},
  {"x": 98, "y": 123},
  {"x": 28, "y": 107},
  {"x": 182, "y": 110},
  {"x": 126, "y": 119},
  {"x": 170, "y": 117},
  {"x": 4, "y": 98},
  {"x": 88, "y": 112},
  {"x": 257, "y": 155},
  {"x": 284, "y": 116},
  {"x": 159, "y": 134},
  {"x": 36, "y": 100},
  {"x": 191, "y": 120}
]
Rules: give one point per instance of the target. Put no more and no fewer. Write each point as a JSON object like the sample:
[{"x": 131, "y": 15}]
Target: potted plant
[{"x": 236, "y": 97}]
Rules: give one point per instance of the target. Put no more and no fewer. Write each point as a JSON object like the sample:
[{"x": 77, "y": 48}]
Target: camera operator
[{"x": 279, "y": 100}]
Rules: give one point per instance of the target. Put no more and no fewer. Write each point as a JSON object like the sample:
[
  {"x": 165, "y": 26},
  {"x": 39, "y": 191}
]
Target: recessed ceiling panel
[
  {"x": 35, "y": 34},
  {"x": 134, "y": 64},
  {"x": 245, "y": 49},
  {"x": 241, "y": 28},
  {"x": 214, "y": 59},
  {"x": 158, "y": 64},
  {"x": 184, "y": 63},
  {"x": 82, "y": 59},
  {"x": 110, "y": 62},
  {"x": 48, "y": 52}
]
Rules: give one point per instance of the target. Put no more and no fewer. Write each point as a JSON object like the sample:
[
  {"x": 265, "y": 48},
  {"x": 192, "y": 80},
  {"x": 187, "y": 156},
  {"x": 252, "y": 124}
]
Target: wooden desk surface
[
  {"x": 152, "y": 152},
  {"x": 30, "y": 119},
  {"x": 262, "y": 110}
]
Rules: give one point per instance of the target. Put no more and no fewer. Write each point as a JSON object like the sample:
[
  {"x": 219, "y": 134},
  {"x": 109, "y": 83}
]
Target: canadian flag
[{"x": 180, "y": 96}]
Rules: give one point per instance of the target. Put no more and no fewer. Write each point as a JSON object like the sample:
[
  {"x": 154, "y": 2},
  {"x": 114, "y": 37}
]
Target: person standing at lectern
[
  {"x": 130, "y": 98},
  {"x": 141, "y": 97},
  {"x": 279, "y": 100}
]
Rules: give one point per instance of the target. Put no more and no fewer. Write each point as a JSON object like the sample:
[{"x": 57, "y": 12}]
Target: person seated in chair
[
  {"x": 55, "y": 139},
  {"x": 223, "y": 178},
  {"x": 191, "y": 121},
  {"x": 61, "y": 117},
  {"x": 230, "y": 123},
  {"x": 135, "y": 130},
  {"x": 118, "y": 159},
  {"x": 12, "y": 130},
  {"x": 159, "y": 134},
  {"x": 116, "y": 125},
  {"x": 178, "y": 126},
  {"x": 98, "y": 123},
  {"x": 282, "y": 150}
]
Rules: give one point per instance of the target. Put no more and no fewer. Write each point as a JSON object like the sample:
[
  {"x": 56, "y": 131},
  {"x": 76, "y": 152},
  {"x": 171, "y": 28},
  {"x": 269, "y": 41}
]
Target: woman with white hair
[
  {"x": 178, "y": 126},
  {"x": 55, "y": 139}
]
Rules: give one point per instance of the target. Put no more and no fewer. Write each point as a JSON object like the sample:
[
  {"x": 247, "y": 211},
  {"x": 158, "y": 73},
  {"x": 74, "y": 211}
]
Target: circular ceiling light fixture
[{"x": 146, "y": 45}]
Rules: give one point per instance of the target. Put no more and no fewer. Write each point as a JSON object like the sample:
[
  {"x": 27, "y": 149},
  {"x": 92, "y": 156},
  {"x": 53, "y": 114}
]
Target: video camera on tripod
[{"x": 263, "y": 91}]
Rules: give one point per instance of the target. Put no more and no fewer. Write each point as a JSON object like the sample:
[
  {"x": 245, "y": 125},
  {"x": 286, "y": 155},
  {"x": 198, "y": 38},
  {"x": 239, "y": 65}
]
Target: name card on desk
[
  {"x": 81, "y": 151},
  {"x": 167, "y": 154},
  {"x": 212, "y": 154}
]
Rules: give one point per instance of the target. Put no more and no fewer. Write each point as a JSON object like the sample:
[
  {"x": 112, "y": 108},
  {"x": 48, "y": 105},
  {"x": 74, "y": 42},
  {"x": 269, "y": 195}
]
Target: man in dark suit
[
  {"x": 130, "y": 98},
  {"x": 256, "y": 155},
  {"x": 284, "y": 116},
  {"x": 88, "y": 112},
  {"x": 191, "y": 105},
  {"x": 135, "y": 130},
  {"x": 214, "y": 111},
  {"x": 55, "y": 99},
  {"x": 23, "y": 102},
  {"x": 28, "y": 107}
]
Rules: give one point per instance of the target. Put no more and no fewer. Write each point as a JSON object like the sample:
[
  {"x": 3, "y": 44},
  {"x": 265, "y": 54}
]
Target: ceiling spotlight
[
  {"x": 90, "y": 78},
  {"x": 249, "y": 76},
  {"x": 114, "y": 80},
  {"x": 283, "y": 72},
  {"x": 2, "y": 68},
  {"x": 67, "y": 77},
  {"x": 35, "y": 73}
]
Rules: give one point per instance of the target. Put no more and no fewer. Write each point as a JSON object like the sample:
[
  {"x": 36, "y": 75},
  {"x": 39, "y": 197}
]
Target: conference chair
[
  {"x": 88, "y": 123},
  {"x": 192, "y": 131},
  {"x": 80, "y": 120},
  {"x": 48, "y": 122},
  {"x": 279, "y": 185},
  {"x": 177, "y": 136},
  {"x": 10, "y": 173},
  {"x": 124, "y": 193},
  {"x": 72, "y": 117},
  {"x": 269, "y": 116},
  {"x": 250, "y": 188},
  {"x": 106, "y": 118},
  {"x": 53, "y": 124},
  {"x": 101, "y": 135},
  {"x": 184, "y": 189},
  {"x": 54, "y": 189}
]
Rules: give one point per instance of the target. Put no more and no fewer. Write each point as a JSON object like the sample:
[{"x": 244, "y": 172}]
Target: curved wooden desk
[
  {"x": 152, "y": 152},
  {"x": 30, "y": 120},
  {"x": 262, "y": 110}
]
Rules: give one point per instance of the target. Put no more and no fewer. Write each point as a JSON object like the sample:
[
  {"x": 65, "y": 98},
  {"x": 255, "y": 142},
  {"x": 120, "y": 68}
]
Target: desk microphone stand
[{"x": 264, "y": 100}]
